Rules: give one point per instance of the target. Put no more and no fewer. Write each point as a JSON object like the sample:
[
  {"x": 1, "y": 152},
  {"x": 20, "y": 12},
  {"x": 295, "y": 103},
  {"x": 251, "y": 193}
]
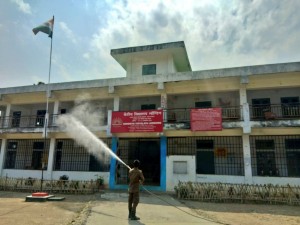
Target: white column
[
  {"x": 51, "y": 158},
  {"x": 2, "y": 155},
  {"x": 164, "y": 105},
  {"x": 116, "y": 103},
  {"x": 55, "y": 109},
  {"x": 245, "y": 110},
  {"x": 247, "y": 159},
  {"x": 7, "y": 113}
]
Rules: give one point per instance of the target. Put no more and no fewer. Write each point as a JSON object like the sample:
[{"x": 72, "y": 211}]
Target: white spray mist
[{"x": 76, "y": 125}]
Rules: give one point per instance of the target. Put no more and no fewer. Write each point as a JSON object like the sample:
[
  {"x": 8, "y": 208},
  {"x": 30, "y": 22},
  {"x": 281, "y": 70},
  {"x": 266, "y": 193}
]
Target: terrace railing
[
  {"x": 182, "y": 115},
  {"x": 275, "y": 111},
  {"x": 33, "y": 121}
]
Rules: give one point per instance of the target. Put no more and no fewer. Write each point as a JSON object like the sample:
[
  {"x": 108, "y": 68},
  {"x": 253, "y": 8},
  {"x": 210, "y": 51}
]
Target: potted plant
[{"x": 99, "y": 181}]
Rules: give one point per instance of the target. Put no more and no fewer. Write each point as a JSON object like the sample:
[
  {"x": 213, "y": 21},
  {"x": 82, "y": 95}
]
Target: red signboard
[
  {"x": 208, "y": 119},
  {"x": 137, "y": 121}
]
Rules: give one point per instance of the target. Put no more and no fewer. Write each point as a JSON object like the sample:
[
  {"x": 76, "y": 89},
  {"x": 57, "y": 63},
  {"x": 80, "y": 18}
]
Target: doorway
[{"x": 145, "y": 150}]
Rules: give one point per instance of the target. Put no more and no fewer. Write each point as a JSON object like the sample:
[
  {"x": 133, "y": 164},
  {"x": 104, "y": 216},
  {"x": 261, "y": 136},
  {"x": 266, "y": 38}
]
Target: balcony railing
[
  {"x": 182, "y": 115},
  {"x": 174, "y": 115},
  {"x": 34, "y": 121},
  {"x": 22, "y": 121},
  {"x": 276, "y": 111}
]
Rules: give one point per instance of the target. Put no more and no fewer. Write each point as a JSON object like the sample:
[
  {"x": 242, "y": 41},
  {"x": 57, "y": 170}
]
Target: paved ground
[
  {"x": 151, "y": 210},
  {"x": 111, "y": 208}
]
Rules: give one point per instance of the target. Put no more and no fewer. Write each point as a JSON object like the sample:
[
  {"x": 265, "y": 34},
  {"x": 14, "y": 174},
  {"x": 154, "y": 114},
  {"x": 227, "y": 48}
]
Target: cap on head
[{"x": 136, "y": 163}]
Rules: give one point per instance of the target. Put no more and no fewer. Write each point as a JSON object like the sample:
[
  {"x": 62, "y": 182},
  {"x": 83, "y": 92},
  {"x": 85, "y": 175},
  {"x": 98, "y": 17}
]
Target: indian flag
[{"x": 46, "y": 28}]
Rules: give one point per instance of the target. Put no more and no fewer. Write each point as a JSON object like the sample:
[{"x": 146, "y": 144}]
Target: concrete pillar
[
  {"x": 51, "y": 158},
  {"x": 56, "y": 106},
  {"x": 247, "y": 159},
  {"x": 116, "y": 103},
  {"x": 108, "y": 129},
  {"x": 2, "y": 155},
  {"x": 164, "y": 105},
  {"x": 7, "y": 113},
  {"x": 246, "y": 131},
  {"x": 245, "y": 110}
]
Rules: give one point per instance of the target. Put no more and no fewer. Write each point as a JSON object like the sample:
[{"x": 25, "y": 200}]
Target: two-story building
[{"x": 257, "y": 142}]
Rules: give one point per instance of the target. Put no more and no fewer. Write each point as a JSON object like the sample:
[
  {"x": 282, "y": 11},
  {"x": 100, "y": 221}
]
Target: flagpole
[{"x": 45, "y": 134}]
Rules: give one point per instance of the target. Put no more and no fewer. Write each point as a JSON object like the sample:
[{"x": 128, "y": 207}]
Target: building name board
[{"x": 137, "y": 121}]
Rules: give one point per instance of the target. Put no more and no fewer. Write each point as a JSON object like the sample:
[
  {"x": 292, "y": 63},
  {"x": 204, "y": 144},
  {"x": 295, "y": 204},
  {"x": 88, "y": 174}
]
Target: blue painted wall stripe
[
  {"x": 114, "y": 146},
  {"x": 163, "y": 163}
]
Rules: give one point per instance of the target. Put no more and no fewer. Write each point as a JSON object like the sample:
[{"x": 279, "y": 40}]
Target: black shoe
[{"x": 133, "y": 217}]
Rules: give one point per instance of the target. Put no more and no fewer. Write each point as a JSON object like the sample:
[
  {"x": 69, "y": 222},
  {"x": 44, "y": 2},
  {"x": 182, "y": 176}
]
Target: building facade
[{"x": 258, "y": 143}]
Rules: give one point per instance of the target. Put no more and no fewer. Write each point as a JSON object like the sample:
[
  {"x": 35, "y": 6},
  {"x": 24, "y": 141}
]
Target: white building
[{"x": 258, "y": 143}]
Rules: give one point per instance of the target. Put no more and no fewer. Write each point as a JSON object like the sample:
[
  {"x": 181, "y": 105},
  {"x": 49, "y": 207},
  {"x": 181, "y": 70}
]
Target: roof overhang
[{"x": 176, "y": 49}]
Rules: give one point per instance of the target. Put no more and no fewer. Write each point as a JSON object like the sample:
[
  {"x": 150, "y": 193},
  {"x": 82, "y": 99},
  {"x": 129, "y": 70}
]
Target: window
[
  {"x": 264, "y": 144},
  {"x": 16, "y": 119},
  {"x": 12, "y": 145},
  {"x": 205, "y": 104},
  {"x": 290, "y": 106},
  {"x": 292, "y": 143},
  {"x": 260, "y": 106},
  {"x": 95, "y": 164},
  {"x": 265, "y": 156},
  {"x": 70, "y": 156},
  {"x": 149, "y": 69},
  {"x": 11, "y": 155},
  {"x": 37, "y": 155},
  {"x": 276, "y": 155},
  {"x": 148, "y": 106},
  {"x": 266, "y": 165},
  {"x": 205, "y": 144},
  {"x": 40, "y": 117},
  {"x": 205, "y": 159},
  {"x": 293, "y": 157}
]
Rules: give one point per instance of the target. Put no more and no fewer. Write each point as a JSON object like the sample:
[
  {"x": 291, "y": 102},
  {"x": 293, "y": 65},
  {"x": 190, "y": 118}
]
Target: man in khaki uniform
[{"x": 136, "y": 178}]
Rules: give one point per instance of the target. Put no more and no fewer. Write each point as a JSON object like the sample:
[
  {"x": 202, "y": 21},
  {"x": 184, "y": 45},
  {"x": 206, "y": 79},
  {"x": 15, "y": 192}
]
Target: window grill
[
  {"x": 214, "y": 155},
  {"x": 147, "y": 150},
  {"x": 27, "y": 154},
  {"x": 277, "y": 156},
  {"x": 69, "y": 156}
]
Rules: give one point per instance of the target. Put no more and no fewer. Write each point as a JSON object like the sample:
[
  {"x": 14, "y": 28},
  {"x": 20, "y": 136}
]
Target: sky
[{"x": 217, "y": 34}]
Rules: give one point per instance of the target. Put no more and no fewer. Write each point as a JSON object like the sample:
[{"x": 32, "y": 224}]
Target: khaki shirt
[{"x": 135, "y": 177}]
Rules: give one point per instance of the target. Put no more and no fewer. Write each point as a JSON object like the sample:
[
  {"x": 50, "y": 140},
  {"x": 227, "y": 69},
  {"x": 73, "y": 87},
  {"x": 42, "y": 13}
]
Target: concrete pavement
[{"x": 112, "y": 209}]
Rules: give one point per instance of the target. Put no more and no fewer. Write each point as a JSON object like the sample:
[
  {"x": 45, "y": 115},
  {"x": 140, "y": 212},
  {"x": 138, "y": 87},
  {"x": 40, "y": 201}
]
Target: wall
[
  {"x": 276, "y": 180},
  {"x": 164, "y": 63},
  {"x": 135, "y": 103},
  {"x": 220, "y": 178},
  {"x": 173, "y": 179},
  {"x": 274, "y": 94}
]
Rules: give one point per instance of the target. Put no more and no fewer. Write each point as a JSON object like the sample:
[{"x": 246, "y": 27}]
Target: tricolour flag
[{"x": 46, "y": 28}]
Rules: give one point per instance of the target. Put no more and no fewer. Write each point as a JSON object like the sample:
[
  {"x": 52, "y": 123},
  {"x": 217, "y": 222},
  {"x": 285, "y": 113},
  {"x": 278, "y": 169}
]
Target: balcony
[
  {"x": 33, "y": 121},
  {"x": 22, "y": 122},
  {"x": 275, "y": 112},
  {"x": 182, "y": 115}
]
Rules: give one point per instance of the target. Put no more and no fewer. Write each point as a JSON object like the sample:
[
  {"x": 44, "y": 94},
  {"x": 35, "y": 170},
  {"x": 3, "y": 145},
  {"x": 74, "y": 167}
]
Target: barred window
[
  {"x": 70, "y": 156},
  {"x": 214, "y": 155},
  {"x": 27, "y": 154},
  {"x": 275, "y": 155},
  {"x": 149, "y": 69}
]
